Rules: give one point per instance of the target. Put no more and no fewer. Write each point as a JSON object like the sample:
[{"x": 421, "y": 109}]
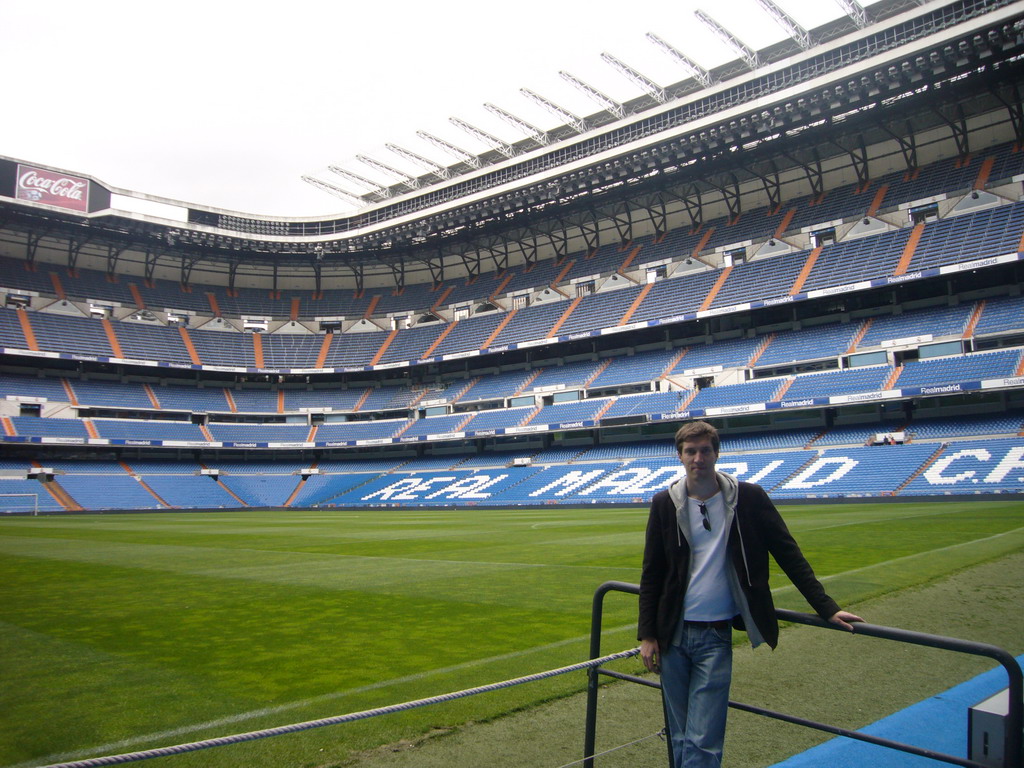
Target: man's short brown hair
[{"x": 697, "y": 430}]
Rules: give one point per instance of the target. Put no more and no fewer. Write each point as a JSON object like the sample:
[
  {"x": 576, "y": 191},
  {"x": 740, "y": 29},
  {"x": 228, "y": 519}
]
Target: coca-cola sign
[{"x": 41, "y": 186}]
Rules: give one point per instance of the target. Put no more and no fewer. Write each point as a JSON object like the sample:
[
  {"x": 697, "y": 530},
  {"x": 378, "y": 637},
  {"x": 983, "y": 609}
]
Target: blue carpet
[{"x": 938, "y": 724}]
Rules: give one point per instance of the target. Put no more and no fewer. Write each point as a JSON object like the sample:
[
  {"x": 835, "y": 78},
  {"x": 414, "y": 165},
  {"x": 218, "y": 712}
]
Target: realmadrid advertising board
[{"x": 62, "y": 190}]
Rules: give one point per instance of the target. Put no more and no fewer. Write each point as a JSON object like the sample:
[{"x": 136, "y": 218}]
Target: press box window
[
  {"x": 823, "y": 237},
  {"x": 924, "y": 213}
]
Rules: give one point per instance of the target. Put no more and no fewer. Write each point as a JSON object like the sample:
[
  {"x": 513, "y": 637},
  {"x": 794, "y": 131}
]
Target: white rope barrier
[
  {"x": 609, "y": 751},
  {"x": 238, "y": 738}
]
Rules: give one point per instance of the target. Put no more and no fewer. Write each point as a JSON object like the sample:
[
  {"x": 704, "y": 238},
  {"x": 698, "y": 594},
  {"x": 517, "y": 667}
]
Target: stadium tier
[
  {"x": 892, "y": 250},
  {"x": 782, "y": 462}
]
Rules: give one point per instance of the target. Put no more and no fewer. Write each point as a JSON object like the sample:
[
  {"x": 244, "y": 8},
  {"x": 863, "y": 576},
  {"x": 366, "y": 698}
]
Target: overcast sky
[{"x": 229, "y": 104}]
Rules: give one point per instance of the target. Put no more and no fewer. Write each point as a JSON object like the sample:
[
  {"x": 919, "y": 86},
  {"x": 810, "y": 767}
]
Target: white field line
[
  {"x": 253, "y": 714},
  {"x": 884, "y": 563}
]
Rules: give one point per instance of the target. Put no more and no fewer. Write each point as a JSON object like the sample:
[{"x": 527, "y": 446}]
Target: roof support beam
[
  {"x": 958, "y": 128},
  {"x": 355, "y": 177},
  {"x": 404, "y": 178},
  {"x": 858, "y": 158},
  {"x": 784, "y": 20},
  {"x": 493, "y": 141},
  {"x": 606, "y": 102},
  {"x": 576, "y": 123},
  {"x": 469, "y": 159},
  {"x": 695, "y": 70},
  {"x": 336, "y": 191},
  {"x": 645, "y": 83},
  {"x": 531, "y": 131},
  {"x": 419, "y": 160},
  {"x": 855, "y": 11},
  {"x": 741, "y": 49},
  {"x": 113, "y": 254},
  {"x": 1014, "y": 108}
]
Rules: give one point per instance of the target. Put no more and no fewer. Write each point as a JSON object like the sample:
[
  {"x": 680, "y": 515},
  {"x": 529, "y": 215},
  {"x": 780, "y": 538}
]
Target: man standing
[{"x": 705, "y": 570}]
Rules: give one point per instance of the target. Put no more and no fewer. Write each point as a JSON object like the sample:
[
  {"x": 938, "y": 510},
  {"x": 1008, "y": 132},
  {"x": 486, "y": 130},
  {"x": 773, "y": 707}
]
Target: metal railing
[{"x": 1015, "y": 719}]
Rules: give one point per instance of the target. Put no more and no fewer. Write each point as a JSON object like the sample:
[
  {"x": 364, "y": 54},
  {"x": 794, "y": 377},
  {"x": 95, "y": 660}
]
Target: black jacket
[{"x": 756, "y": 529}]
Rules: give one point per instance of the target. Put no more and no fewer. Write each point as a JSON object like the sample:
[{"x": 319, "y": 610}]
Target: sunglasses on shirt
[{"x": 705, "y": 520}]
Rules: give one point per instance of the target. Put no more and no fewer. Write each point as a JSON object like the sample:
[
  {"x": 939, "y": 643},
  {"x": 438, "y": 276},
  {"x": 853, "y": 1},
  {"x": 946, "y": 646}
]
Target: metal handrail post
[
  {"x": 596, "y": 618},
  {"x": 1015, "y": 716}
]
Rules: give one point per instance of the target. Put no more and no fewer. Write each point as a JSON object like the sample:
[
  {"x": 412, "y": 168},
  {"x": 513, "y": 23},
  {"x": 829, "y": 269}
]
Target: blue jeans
[{"x": 695, "y": 678}]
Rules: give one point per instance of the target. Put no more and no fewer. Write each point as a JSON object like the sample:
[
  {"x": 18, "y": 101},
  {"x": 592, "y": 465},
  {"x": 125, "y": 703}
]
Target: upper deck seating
[
  {"x": 953, "y": 370},
  {"x": 761, "y": 279},
  {"x": 856, "y": 434},
  {"x": 469, "y": 334},
  {"x": 224, "y": 348},
  {"x": 733, "y": 353},
  {"x": 204, "y": 399},
  {"x": 47, "y": 388},
  {"x": 388, "y": 398},
  {"x": 567, "y": 412},
  {"x": 537, "y": 275},
  {"x": 568, "y": 376},
  {"x": 136, "y": 429},
  {"x": 499, "y": 419},
  {"x": 991, "y": 232},
  {"x": 354, "y": 349},
  {"x": 844, "y": 382},
  {"x": 531, "y": 323},
  {"x": 81, "y": 335},
  {"x": 435, "y": 425},
  {"x": 822, "y": 341},
  {"x": 1001, "y": 315},
  {"x": 31, "y": 426},
  {"x": 851, "y": 261},
  {"x": 635, "y": 369},
  {"x": 941, "y": 428},
  {"x": 600, "y": 310},
  {"x": 414, "y": 297},
  {"x": 935, "y": 322},
  {"x": 761, "y": 391},
  {"x": 290, "y": 350},
  {"x": 144, "y": 341},
  {"x": 603, "y": 261},
  {"x": 758, "y": 224},
  {"x": 650, "y": 402},
  {"x": 111, "y": 394},
  {"x": 497, "y": 386},
  {"x": 254, "y": 400},
  {"x": 259, "y": 433},
  {"x": 413, "y": 343},
  {"x": 676, "y": 296},
  {"x": 360, "y": 430}
]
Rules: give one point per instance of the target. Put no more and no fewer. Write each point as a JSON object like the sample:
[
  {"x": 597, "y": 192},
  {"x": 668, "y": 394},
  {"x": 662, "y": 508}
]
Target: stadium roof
[{"x": 915, "y": 81}]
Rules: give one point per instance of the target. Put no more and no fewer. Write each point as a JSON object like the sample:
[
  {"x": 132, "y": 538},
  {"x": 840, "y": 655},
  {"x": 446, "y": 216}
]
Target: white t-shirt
[{"x": 708, "y": 597}]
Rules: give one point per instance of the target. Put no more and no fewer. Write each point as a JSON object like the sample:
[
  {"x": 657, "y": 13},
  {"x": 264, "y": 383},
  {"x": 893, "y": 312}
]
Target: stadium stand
[{"x": 805, "y": 311}]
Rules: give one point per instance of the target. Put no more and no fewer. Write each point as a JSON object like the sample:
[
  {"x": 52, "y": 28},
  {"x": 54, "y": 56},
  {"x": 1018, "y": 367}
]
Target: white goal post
[{"x": 24, "y": 503}]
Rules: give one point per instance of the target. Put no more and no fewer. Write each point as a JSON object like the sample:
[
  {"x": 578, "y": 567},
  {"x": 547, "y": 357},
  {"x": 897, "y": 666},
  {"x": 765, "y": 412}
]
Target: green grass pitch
[{"x": 127, "y": 632}]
